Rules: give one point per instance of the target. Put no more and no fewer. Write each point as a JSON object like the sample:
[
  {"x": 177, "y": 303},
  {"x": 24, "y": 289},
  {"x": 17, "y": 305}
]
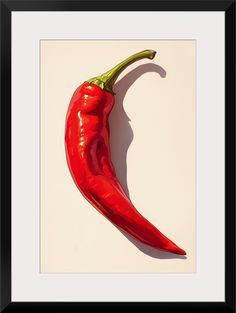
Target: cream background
[{"x": 160, "y": 167}]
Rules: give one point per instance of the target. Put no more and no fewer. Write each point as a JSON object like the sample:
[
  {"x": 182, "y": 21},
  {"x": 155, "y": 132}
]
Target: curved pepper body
[{"x": 88, "y": 158}]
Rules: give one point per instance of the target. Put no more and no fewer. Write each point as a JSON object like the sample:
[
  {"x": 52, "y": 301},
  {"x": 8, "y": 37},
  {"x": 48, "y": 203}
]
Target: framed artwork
[{"x": 118, "y": 156}]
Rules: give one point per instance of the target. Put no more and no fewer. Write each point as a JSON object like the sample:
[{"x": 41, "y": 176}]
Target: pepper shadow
[{"x": 121, "y": 136}]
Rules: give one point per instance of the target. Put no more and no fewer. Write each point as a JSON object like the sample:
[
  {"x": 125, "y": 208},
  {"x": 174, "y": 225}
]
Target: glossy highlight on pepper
[{"x": 89, "y": 158}]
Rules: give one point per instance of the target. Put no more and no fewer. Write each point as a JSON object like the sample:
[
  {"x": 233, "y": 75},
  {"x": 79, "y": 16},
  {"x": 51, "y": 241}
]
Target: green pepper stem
[{"x": 107, "y": 79}]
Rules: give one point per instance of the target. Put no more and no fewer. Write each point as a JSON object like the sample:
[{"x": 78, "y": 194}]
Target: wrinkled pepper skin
[{"x": 89, "y": 162}]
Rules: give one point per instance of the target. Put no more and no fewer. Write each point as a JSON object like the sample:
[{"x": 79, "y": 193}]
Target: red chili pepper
[{"x": 88, "y": 157}]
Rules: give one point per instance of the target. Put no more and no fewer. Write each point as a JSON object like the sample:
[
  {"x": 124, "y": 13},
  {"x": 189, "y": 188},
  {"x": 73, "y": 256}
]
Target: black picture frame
[{"x": 7, "y": 7}]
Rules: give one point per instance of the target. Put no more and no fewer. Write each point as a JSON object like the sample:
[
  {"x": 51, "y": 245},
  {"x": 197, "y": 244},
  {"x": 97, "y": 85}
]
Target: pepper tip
[
  {"x": 179, "y": 251},
  {"x": 173, "y": 248}
]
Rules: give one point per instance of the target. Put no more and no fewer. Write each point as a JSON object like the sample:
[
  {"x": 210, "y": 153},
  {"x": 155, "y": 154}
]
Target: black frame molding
[{"x": 9, "y": 6}]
